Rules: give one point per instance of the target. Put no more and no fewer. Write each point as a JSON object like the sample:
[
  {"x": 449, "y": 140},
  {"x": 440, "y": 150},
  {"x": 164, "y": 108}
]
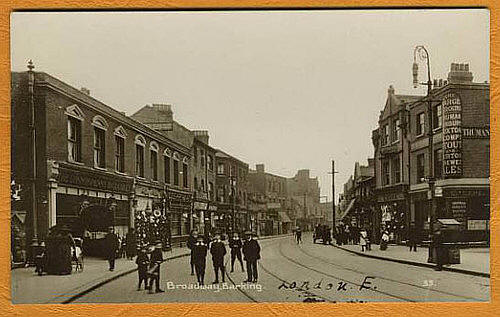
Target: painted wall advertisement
[{"x": 452, "y": 135}]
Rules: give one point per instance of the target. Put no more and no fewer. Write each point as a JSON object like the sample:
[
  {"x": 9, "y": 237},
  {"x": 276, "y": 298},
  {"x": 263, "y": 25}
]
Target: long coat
[
  {"x": 218, "y": 250},
  {"x": 112, "y": 244},
  {"x": 251, "y": 250},
  {"x": 199, "y": 252}
]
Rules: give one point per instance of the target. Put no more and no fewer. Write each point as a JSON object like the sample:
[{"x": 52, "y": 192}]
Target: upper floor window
[
  {"x": 75, "y": 118},
  {"x": 120, "y": 137},
  {"x": 185, "y": 175},
  {"x": 195, "y": 155},
  {"x": 100, "y": 127},
  {"x": 385, "y": 134},
  {"x": 210, "y": 162},
  {"x": 420, "y": 124},
  {"x": 211, "y": 190},
  {"x": 153, "y": 151},
  {"x": 166, "y": 165},
  {"x": 202, "y": 159},
  {"x": 396, "y": 170},
  {"x": 396, "y": 130},
  {"x": 438, "y": 163},
  {"x": 176, "y": 169},
  {"x": 385, "y": 173},
  {"x": 220, "y": 168},
  {"x": 437, "y": 117},
  {"x": 140, "y": 143},
  {"x": 74, "y": 140},
  {"x": 420, "y": 168}
]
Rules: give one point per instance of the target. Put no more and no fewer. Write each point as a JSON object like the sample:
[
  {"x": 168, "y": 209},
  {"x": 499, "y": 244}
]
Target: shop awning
[
  {"x": 348, "y": 209},
  {"x": 284, "y": 217}
]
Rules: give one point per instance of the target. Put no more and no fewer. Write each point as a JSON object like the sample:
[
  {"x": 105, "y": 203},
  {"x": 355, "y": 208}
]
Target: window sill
[
  {"x": 75, "y": 162},
  {"x": 437, "y": 129},
  {"x": 100, "y": 168},
  {"x": 140, "y": 177},
  {"x": 120, "y": 173}
]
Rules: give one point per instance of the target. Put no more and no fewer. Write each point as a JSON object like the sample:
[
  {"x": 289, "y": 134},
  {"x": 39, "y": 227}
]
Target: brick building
[
  {"x": 304, "y": 191},
  {"x": 87, "y": 153},
  {"x": 391, "y": 166},
  {"x": 231, "y": 194},
  {"x": 269, "y": 191},
  {"x": 460, "y": 126}
]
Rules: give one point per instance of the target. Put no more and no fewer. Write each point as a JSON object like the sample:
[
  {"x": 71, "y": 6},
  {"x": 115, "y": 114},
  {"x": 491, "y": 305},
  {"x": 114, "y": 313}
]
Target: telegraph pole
[{"x": 333, "y": 192}]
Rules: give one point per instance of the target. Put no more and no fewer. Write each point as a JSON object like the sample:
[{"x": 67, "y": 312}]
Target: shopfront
[
  {"x": 392, "y": 215},
  {"x": 179, "y": 209}
]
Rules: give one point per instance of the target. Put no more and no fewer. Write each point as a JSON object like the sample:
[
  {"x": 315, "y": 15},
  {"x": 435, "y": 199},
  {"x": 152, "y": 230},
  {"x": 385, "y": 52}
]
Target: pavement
[
  {"x": 28, "y": 287},
  {"x": 473, "y": 261},
  {"x": 306, "y": 272}
]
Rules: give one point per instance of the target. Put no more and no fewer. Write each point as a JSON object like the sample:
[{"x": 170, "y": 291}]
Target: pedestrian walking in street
[
  {"x": 412, "y": 238},
  {"x": 218, "y": 251},
  {"x": 251, "y": 253},
  {"x": 363, "y": 239},
  {"x": 369, "y": 240},
  {"x": 154, "y": 268},
  {"x": 131, "y": 244},
  {"x": 199, "y": 258},
  {"x": 236, "y": 244},
  {"x": 384, "y": 241},
  {"x": 111, "y": 244},
  {"x": 298, "y": 235},
  {"x": 142, "y": 262},
  {"x": 193, "y": 237}
]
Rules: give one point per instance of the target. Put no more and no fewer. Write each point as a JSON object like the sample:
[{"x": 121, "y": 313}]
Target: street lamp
[{"x": 423, "y": 54}]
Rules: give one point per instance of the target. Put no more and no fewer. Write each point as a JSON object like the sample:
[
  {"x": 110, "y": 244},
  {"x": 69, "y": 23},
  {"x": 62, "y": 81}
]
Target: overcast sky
[{"x": 290, "y": 89}]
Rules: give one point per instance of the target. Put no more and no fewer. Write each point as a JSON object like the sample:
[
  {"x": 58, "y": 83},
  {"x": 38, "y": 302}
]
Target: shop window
[
  {"x": 395, "y": 130},
  {"x": 385, "y": 173},
  {"x": 437, "y": 117},
  {"x": 438, "y": 163},
  {"x": 396, "y": 170},
  {"x": 420, "y": 168},
  {"x": 74, "y": 139},
  {"x": 420, "y": 124}
]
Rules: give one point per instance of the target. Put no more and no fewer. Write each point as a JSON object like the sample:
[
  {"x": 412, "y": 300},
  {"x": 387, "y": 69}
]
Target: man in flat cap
[
  {"x": 251, "y": 253},
  {"x": 218, "y": 250}
]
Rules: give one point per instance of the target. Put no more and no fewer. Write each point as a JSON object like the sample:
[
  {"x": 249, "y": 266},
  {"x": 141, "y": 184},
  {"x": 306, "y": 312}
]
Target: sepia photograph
[{"x": 250, "y": 156}]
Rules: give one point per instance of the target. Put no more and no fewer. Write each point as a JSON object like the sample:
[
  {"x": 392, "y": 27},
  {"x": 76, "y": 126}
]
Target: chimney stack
[
  {"x": 85, "y": 91},
  {"x": 459, "y": 73},
  {"x": 201, "y": 135},
  {"x": 260, "y": 168}
]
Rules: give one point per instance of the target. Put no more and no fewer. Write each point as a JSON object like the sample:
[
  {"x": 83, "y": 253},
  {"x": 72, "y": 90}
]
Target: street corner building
[
  {"x": 78, "y": 162},
  {"x": 456, "y": 117}
]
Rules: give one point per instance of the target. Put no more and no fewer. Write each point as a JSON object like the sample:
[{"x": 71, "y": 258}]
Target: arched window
[
  {"x": 167, "y": 154},
  {"x": 176, "y": 168},
  {"x": 153, "y": 151},
  {"x": 140, "y": 143},
  {"x": 120, "y": 136},
  {"x": 75, "y": 118},
  {"x": 185, "y": 175}
]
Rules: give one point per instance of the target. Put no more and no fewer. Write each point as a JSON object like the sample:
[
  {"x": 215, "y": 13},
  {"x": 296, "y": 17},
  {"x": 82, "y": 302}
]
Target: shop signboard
[
  {"x": 452, "y": 135},
  {"x": 477, "y": 224}
]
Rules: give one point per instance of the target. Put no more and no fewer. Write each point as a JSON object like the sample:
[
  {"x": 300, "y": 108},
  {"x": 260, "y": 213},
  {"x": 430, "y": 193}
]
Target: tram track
[{"x": 387, "y": 279}]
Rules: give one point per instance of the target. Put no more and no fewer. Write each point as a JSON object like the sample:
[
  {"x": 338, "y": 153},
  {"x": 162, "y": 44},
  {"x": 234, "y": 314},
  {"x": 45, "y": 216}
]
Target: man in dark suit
[
  {"x": 199, "y": 252},
  {"x": 190, "y": 244},
  {"x": 218, "y": 250},
  {"x": 154, "y": 268},
  {"x": 112, "y": 244},
  {"x": 235, "y": 244},
  {"x": 251, "y": 253}
]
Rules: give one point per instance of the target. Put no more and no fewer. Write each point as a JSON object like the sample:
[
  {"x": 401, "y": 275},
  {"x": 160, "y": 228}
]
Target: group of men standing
[{"x": 200, "y": 246}]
